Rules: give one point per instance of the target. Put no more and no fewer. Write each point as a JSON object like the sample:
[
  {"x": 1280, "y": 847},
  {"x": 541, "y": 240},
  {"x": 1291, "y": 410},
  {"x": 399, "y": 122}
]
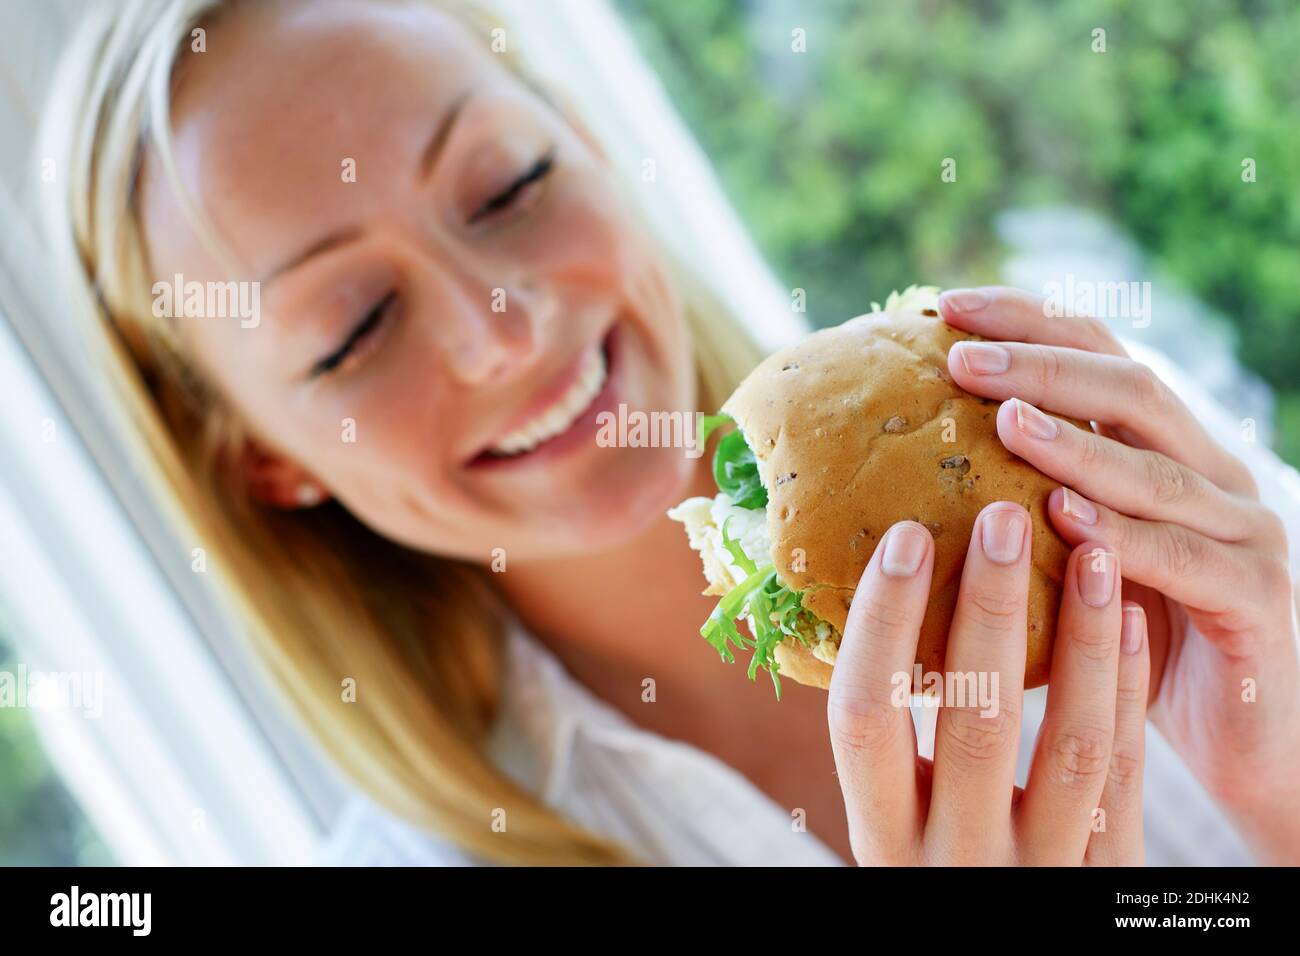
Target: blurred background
[
  {"x": 1108, "y": 155},
  {"x": 40, "y": 822},
  {"x": 1125, "y": 163}
]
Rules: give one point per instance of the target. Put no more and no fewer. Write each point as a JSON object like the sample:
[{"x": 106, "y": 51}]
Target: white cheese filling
[{"x": 704, "y": 518}]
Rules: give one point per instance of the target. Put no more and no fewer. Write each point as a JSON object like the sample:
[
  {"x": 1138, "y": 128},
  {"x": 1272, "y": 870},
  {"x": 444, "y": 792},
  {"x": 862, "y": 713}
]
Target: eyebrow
[
  {"x": 329, "y": 242},
  {"x": 428, "y": 159}
]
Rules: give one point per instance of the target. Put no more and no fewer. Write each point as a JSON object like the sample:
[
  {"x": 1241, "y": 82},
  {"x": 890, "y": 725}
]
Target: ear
[{"x": 273, "y": 479}]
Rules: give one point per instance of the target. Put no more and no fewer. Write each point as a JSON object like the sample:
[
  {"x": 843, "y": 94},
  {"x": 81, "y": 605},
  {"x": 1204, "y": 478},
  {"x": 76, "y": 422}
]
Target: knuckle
[
  {"x": 875, "y": 615},
  {"x": 1124, "y": 532},
  {"x": 991, "y": 609},
  {"x": 1125, "y": 772},
  {"x": 972, "y": 738},
  {"x": 1095, "y": 644},
  {"x": 1092, "y": 452},
  {"x": 1177, "y": 553},
  {"x": 1131, "y": 695},
  {"x": 862, "y": 724},
  {"x": 1169, "y": 481},
  {"x": 1080, "y": 757},
  {"x": 1150, "y": 393},
  {"x": 1047, "y": 368}
]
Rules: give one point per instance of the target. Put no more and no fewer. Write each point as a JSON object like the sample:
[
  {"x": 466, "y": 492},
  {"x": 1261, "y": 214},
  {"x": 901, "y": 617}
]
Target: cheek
[
  {"x": 583, "y": 233},
  {"x": 401, "y": 427},
  {"x": 577, "y": 231},
  {"x": 592, "y": 239},
  {"x": 382, "y": 451}
]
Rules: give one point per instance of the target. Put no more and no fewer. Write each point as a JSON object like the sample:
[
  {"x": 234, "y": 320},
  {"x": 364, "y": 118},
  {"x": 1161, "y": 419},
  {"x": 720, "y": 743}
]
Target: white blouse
[{"x": 672, "y": 803}]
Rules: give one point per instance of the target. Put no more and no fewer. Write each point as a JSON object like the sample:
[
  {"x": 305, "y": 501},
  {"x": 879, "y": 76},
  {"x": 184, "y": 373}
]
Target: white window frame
[
  {"x": 87, "y": 592},
  {"x": 193, "y": 761}
]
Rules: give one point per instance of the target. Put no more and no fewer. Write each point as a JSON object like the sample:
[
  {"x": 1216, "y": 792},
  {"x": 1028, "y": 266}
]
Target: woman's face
[{"x": 439, "y": 330}]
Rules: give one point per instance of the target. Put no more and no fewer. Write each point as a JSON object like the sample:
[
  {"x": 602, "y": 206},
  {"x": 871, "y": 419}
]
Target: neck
[
  {"x": 619, "y": 616},
  {"x": 634, "y": 612}
]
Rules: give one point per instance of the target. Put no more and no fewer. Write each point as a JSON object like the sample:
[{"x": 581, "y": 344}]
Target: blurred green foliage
[
  {"x": 833, "y": 157},
  {"x": 40, "y": 823}
]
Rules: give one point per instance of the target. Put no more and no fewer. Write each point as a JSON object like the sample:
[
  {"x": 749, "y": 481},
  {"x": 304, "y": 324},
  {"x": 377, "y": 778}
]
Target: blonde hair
[{"x": 323, "y": 595}]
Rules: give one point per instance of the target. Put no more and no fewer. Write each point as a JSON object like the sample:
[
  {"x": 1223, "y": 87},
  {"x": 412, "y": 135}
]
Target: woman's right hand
[{"x": 1083, "y": 800}]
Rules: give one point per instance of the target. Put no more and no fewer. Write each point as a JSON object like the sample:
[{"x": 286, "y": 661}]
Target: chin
[{"x": 619, "y": 506}]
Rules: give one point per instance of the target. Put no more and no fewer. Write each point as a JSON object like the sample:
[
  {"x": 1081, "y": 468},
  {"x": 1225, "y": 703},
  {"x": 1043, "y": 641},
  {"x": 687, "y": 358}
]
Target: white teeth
[{"x": 560, "y": 416}]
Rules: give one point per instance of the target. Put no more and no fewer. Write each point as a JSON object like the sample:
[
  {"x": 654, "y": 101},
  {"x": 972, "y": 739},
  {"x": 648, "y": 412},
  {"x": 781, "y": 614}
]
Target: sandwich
[{"x": 823, "y": 447}]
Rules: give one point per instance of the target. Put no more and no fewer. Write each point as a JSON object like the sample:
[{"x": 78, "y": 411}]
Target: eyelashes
[
  {"x": 372, "y": 320},
  {"x": 364, "y": 328},
  {"x": 503, "y": 200}
]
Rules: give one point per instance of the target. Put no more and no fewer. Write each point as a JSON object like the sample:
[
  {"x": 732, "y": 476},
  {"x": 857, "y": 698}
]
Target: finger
[
  {"x": 1003, "y": 313},
  {"x": 1144, "y": 484},
  {"x": 1114, "y": 391},
  {"x": 1158, "y": 617},
  {"x": 978, "y": 733},
  {"x": 1117, "y": 829},
  {"x": 1074, "y": 743},
  {"x": 1207, "y": 575},
  {"x": 868, "y": 705}
]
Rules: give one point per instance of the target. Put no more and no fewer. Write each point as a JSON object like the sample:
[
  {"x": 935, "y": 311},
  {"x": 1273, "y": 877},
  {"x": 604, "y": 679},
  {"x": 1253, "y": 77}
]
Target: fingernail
[
  {"x": 1002, "y": 536},
  {"x": 1033, "y": 422},
  {"x": 1135, "y": 625},
  {"x": 966, "y": 300},
  {"x": 1080, "y": 509},
  {"x": 1096, "y": 577},
  {"x": 904, "y": 550},
  {"x": 982, "y": 358}
]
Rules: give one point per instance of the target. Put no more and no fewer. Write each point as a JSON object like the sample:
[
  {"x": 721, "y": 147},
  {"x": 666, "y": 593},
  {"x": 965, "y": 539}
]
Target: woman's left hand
[{"x": 1200, "y": 552}]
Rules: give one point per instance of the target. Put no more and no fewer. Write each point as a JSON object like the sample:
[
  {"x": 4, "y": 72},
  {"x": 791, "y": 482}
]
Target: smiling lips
[{"x": 560, "y": 415}]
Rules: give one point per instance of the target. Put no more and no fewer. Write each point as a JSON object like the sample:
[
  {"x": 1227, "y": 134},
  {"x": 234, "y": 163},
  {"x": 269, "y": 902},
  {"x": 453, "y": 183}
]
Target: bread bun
[
  {"x": 860, "y": 426},
  {"x": 798, "y": 663}
]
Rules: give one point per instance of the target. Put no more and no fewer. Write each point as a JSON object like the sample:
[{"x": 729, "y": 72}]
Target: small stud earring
[{"x": 309, "y": 495}]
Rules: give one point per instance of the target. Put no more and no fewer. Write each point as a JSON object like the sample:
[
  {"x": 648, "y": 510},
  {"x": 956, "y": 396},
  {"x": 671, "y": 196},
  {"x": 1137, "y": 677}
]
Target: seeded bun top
[{"x": 860, "y": 426}]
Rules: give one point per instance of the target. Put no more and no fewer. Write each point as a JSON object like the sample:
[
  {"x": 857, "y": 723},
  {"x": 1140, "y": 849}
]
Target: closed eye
[
  {"x": 365, "y": 327},
  {"x": 503, "y": 200}
]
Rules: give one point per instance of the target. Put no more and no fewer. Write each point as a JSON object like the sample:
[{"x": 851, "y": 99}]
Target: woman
[{"x": 484, "y": 615}]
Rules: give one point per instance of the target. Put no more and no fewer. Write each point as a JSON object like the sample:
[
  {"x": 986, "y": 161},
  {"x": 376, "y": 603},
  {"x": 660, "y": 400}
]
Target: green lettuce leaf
[
  {"x": 775, "y": 610},
  {"x": 709, "y": 424},
  {"x": 736, "y": 472},
  {"x": 737, "y": 555},
  {"x": 734, "y": 467}
]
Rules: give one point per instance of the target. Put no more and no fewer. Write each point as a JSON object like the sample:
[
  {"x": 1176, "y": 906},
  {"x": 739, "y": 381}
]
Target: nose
[{"x": 487, "y": 332}]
